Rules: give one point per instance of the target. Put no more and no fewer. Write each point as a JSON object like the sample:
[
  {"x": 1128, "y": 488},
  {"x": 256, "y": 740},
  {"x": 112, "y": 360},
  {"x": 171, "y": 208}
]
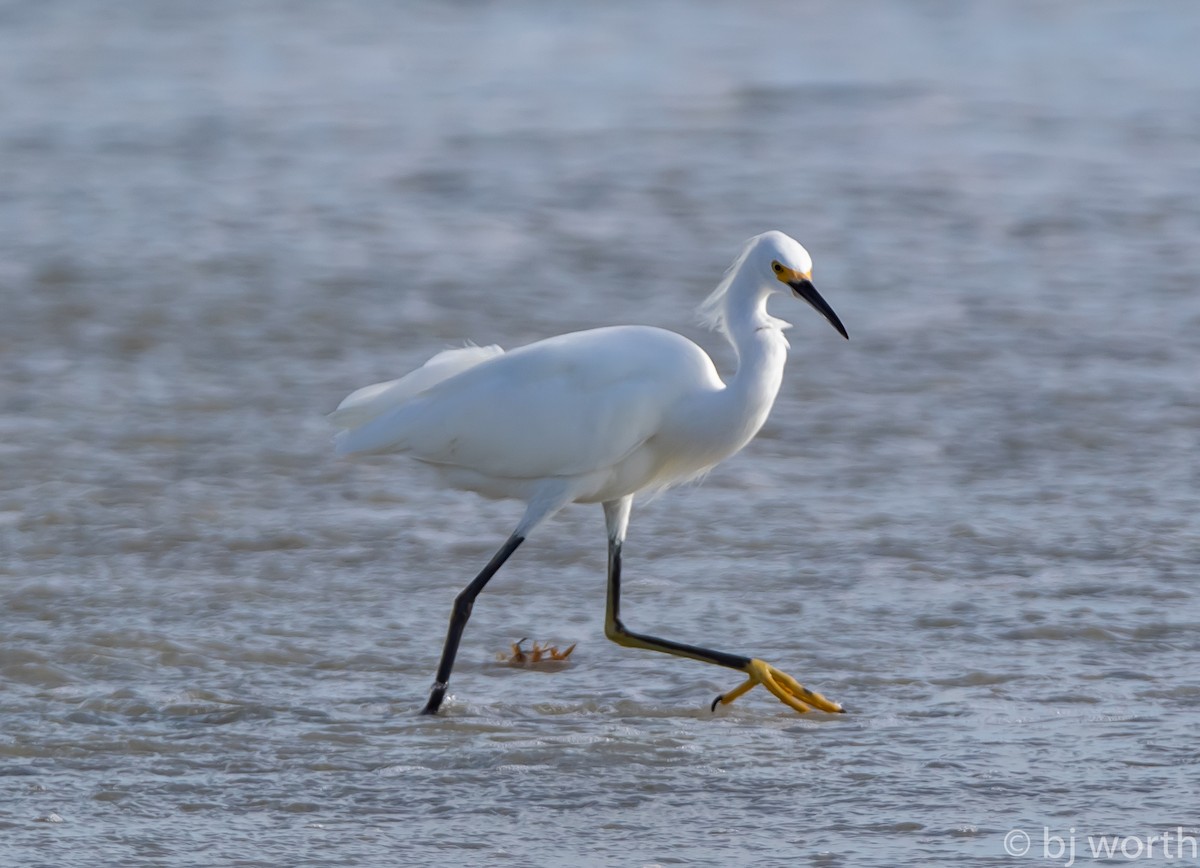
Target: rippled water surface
[{"x": 975, "y": 523}]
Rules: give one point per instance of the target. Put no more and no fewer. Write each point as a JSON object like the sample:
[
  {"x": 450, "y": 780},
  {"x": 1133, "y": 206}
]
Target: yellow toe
[{"x": 784, "y": 687}]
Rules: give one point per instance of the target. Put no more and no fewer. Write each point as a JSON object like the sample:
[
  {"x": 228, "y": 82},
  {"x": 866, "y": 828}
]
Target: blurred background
[{"x": 974, "y": 524}]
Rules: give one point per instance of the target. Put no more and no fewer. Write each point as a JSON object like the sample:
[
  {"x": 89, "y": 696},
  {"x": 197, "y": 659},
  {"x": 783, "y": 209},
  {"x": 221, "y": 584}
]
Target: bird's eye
[{"x": 775, "y": 265}]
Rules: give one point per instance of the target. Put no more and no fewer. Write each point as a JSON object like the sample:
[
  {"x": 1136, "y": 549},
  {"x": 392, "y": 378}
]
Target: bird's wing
[
  {"x": 371, "y": 402},
  {"x": 561, "y": 407}
]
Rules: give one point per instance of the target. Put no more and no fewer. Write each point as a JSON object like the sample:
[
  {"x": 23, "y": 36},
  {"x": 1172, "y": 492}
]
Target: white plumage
[
  {"x": 592, "y": 416},
  {"x": 370, "y": 402}
]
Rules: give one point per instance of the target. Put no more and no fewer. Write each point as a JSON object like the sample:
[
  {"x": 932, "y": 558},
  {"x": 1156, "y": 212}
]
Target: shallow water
[{"x": 974, "y": 524}]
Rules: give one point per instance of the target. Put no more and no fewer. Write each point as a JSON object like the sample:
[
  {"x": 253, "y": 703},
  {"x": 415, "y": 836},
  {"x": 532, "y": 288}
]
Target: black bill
[{"x": 804, "y": 289}]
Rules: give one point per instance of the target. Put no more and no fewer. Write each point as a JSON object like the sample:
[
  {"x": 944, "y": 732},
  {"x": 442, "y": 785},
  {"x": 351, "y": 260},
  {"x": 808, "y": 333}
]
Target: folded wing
[{"x": 561, "y": 407}]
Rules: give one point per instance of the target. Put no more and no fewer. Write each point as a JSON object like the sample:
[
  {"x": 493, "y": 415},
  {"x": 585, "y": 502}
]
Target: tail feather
[{"x": 370, "y": 402}]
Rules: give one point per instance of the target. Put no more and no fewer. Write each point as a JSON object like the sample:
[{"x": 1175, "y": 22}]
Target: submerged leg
[
  {"x": 783, "y": 686},
  {"x": 458, "y": 621}
]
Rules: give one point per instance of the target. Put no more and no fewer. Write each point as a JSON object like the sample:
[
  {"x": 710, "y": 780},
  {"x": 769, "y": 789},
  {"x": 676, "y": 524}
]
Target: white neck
[{"x": 761, "y": 349}]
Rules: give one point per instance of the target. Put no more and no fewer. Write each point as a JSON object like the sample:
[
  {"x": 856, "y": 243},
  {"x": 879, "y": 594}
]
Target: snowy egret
[{"x": 596, "y": 417}]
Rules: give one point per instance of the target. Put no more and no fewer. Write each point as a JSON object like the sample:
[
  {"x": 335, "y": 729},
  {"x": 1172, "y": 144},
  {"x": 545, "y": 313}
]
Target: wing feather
[
  {"x": 560, "y": 407},
  {"x": 371, "y": 402}
]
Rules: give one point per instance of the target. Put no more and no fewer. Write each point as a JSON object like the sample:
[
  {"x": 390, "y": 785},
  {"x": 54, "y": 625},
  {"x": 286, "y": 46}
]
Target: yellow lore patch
[{"x": 789, "y": 275}]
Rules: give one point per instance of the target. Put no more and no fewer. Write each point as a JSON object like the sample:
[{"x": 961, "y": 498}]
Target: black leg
[
  {"x": 458, "y": 621},
  {"x": 616, "y": 630},
  {"x": 783, "y": 686}
]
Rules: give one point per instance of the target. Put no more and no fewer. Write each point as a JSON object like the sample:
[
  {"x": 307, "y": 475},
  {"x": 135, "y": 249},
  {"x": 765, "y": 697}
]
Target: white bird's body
[
  {"x": 587, "y": 417},
  {"x": 591, "y": 416}
]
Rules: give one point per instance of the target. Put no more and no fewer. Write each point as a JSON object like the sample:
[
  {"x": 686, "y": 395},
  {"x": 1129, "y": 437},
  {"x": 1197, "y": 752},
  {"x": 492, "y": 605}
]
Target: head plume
[
  {"x": 711, "y": 311},
  {"x": 756, "y": 256}
]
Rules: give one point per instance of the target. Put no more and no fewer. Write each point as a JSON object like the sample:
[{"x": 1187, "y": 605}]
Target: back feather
[{"x": 371, "y": 402}]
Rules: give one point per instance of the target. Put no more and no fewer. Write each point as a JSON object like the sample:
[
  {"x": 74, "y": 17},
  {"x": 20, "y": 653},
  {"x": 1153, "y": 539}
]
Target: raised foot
[{"x": 786, "y": 689}]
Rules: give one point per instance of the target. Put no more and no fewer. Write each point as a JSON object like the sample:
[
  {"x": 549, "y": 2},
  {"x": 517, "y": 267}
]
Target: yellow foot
[{"x": 787, "y": 689}]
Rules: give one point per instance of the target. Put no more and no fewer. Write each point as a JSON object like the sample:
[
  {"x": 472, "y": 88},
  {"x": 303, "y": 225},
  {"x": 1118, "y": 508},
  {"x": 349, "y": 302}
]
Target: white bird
[{"x": 596, "y": 417}]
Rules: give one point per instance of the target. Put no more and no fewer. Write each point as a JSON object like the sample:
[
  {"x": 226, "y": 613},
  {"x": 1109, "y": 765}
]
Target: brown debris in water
[{"x": 542, "y": 656}]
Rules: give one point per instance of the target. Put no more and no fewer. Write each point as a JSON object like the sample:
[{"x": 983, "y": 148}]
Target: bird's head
[{"x": 783, "y": 264}]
